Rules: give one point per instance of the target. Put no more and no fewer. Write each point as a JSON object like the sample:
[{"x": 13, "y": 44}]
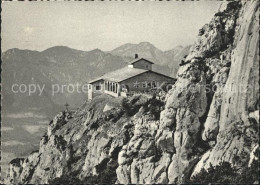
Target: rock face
[
  {"x": 205, "y": 119},
  {"x": 237, "y": 135}
]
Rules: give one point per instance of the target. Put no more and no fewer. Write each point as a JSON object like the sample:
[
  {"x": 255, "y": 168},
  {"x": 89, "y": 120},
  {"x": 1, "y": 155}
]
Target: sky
[{"x": 104, "y": 25}]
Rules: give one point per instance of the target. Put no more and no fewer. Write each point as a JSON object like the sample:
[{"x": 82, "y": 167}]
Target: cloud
[
  {"x": 25, "y": 115},
  {"x": 6, "y": 128},
  {"x": 28, "y": 30},
  {"x": 12, "y": 143},
  {"x": 33, "y": 129}
]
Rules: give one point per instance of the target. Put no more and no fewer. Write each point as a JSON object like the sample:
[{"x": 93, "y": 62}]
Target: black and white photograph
[{"x": 130, "y": 92}]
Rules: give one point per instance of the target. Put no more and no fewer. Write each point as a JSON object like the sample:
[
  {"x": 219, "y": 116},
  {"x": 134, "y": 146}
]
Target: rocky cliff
[{"x": 210, "y": 116}]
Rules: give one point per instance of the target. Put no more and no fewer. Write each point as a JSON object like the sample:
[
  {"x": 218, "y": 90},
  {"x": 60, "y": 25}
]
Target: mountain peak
[
  {"x": 13, "y": 50},
  {"x": 179, "y": 46},
  {"x": 96, "y": 51},
  {"x": 57, "y": 48},
  {"x": 60, "y": 49},
  {"x": 145, "y": 43}
]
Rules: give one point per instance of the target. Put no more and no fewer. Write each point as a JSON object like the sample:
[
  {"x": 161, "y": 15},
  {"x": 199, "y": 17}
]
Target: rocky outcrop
[
  {"x": 237, "y": 135},
  {"x": 79, "y": 146},
  {"x": 205, "y": 119},
  {"x": 195, "y": 106}
]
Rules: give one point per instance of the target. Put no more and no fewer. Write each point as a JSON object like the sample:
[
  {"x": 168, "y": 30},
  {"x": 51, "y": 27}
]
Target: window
[
  {"x": 144, "y": 84},
  {"x": 105, "y": 85},
  {"x": 169, "y": 87},
  {"x": 149, "y": 84},
  {"x": 146, "y": 66},
  {"x": 98, "y": 87},
  {"x": 153, "y": 84},
  {"x": 89, "y": 86},
  {"x": 125, "y": 88}
]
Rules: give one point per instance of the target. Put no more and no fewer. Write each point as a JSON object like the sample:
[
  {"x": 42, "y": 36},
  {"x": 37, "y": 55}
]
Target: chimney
[{"x": 136, "y": 55}]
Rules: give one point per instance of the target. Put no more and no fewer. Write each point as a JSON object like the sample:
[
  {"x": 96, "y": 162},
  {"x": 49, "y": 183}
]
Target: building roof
[
  {"x": 122, "y": 74},
  {"x": 137, "y": 59},
  {"x": 95, "y": 80}
]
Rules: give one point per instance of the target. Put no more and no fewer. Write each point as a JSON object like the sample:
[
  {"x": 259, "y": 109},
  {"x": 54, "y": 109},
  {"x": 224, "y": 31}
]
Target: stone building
[{"x": 138, "y": 76}]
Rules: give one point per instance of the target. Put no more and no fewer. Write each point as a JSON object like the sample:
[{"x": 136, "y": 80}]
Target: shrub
[
  {"x": 106, "y": 176},
  {"x": 153, "y": 106},
  {"x": 126, "y": 107},
  {"x": 224, "y": 173}
]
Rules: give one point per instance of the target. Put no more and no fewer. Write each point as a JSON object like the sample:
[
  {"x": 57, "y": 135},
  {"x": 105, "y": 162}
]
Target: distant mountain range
[{"x": 63, "y": 65}]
